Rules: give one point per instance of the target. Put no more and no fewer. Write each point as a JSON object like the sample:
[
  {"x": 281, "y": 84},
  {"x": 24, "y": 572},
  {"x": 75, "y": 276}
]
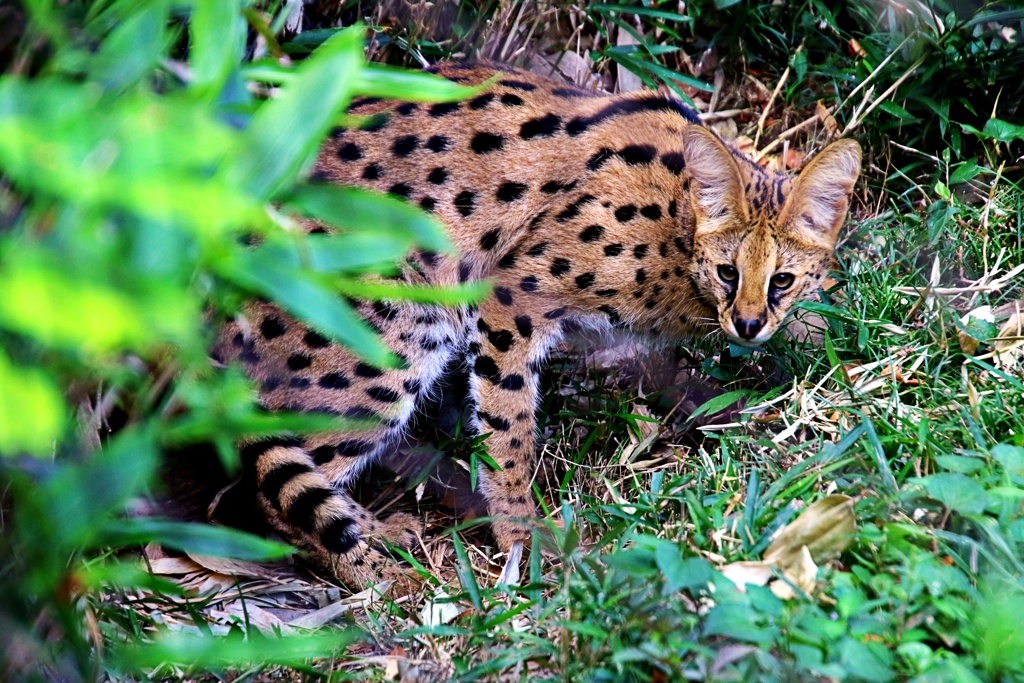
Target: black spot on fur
[
  {"x": 501, "y": 340},
  {"x": 350, "y": 152},
  {"x": 315, "y": 340},
  {"x": 464, "y": 202},
  {"x": 405, "y": 145},
  {"x": 585, "y": 280},
  {"x": 639, "y": 251},
  {"x": 438, "y": 143},
  {"x": 276, "y": 479},
  {"x": 490, "y": 239},
  {"x": 624, "y": 214},
  {"x": 641, "y": 276},
  {"x": 580, "y": 124},
  {"x": 599, "y": 158},
  {"x": 438, "y": 176},
  {"x": 323, "y": 454},
  {"x": 537, "y": 249},
  {"x": 364, "y": 370},
  {"x": 509, "y": 192},
  {"x": 487, "y": 368},
  {"x": 356, "y": 447},
  {"x": 672, "y": 208},
  {"x": 652, "y": 211},
  {"x": 674, "y": 162},
  {"x": 560, "y": 266},
  {"x": 573, "y": 209},
  {"x": 612, "y": 249},
  {"x": 485, "y": 143},
  {"x": 299, "y": 383},
  {"x": 503, "y": 295},
  {"x": 528, "y": 284},
  {"x": 372, "y": 172},
  {"x": 383, "y": 394},
  {"x": 400, "y": 190},
  {"x": 508, "y": 261},
  {"x": 299, "y": 361},
  {"x": 481, "y": 101},
  {"x": 496, "y": 422},
  {"x": 554, "y": 314},
  {"x": 302, "y": 510},
  {"x": 411, "y": 386},
  {"x": 428, "y": 203},
  {"x": 681, "y": 246},
  {"x": 635, "y": 155},
  {"x": 542, "y": 127},
  {"x": 512, "y": 382},
  {"x": 465, "y": 270},
  {"x": 524, "y": 326},
  {"x": 612, "y": 313},
  {"x": 407, "y": 108},
  {"x": 519, "y": 85},
  {"x": 334, "y": 380},
  {"x": 444, "y": 108},
  {"x": 510, "y": 100},
  {"x": 591, "y": 233},
  {"x": 272, "y": 327},
  {"x": 605, "y": 293},
  {"x": 339, "y": 536}
]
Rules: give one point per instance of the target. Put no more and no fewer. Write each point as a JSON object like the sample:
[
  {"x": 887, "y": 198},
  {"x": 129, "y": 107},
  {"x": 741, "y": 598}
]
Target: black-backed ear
[
  {"x": 820, "y": 195},
  {"x": 716, "y": 184}
]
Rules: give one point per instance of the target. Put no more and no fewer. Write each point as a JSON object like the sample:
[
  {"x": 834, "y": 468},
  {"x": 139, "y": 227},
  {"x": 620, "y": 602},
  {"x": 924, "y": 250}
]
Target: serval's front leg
[{"x": 513, "y": 337}]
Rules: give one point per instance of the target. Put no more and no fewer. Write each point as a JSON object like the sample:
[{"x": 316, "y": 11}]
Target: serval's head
[{"x": 763, "y": 242}]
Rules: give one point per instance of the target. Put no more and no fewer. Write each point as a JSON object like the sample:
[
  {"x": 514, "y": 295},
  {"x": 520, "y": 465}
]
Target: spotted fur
[{"x": 606, "y": 212}]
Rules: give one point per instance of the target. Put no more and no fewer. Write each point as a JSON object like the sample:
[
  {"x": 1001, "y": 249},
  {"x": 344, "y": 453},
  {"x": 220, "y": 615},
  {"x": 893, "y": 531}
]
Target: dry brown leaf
[
  {"x": 818, "y": 535},
  {"x": 802, "y": 573},
  {"x": 968, "y": 344},
  {"x": 221, "y": 565},
  {"x": 826, "y": 118},
  {"x": 825, "y": 527},
  {"x": 792, "y": 158},
  {"x": 171, "y": 566}
]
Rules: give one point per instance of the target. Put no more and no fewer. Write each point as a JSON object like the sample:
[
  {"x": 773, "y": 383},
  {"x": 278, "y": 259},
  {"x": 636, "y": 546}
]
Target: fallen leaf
[
  {"x": 439, "y": 609},
  {"x": 825, "y": 527},
  {"x": 802, "y": 573},
  {"x": 826, "y": 117}
]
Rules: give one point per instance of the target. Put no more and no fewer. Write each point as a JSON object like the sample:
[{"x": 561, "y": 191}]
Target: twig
[
  {"x": 786, "y": 135},
  {"x": 771, "y": 100},
  {"x": 883, "y": 97},
  {"x": 724, "y": 114}
]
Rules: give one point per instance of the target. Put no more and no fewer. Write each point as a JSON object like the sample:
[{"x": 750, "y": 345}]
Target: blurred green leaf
[
  {"x": 207, "y": 653},
  {"x": 956, "y": 491},
  {"x": 1003, "y": 131},
  {"x": 133, "y": 47},
  {"x": 261, "y": 270},
  {"x": 42, "y": 300},
  {"x": 358, "y": 209},
  {"x": 380, "y": 80},
  {"x": 201, "y": 539},
  {"x": 31, "y": 410},
  {"x": 285, "y": 133},
  {"x": 217, "y": 33}
]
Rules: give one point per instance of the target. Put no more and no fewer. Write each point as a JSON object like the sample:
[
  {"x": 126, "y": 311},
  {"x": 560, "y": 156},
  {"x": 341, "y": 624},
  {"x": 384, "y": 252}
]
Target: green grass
[{"x": 886, "y": 407}]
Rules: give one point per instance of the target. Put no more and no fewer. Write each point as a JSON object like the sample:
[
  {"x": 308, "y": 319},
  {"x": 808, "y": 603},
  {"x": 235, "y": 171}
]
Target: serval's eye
[
  {"x": 728, "y": 274},
  {"x": 781, "y": 281}
]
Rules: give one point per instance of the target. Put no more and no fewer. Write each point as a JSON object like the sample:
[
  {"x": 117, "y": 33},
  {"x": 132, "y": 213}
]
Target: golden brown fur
[{"x": 607, "y": 212}]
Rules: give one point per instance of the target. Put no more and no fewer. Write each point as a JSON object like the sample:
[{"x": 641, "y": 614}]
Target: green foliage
[{"x": 136, "y": 165}]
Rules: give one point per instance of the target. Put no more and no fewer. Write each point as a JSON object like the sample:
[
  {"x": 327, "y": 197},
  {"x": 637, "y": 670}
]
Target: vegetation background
[{"x": 143, "y": 145}]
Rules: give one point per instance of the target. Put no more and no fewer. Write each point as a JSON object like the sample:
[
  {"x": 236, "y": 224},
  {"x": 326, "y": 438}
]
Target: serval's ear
[
  {"x": 820, "y": 195},
  {"x": 716, "y": 185}
]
